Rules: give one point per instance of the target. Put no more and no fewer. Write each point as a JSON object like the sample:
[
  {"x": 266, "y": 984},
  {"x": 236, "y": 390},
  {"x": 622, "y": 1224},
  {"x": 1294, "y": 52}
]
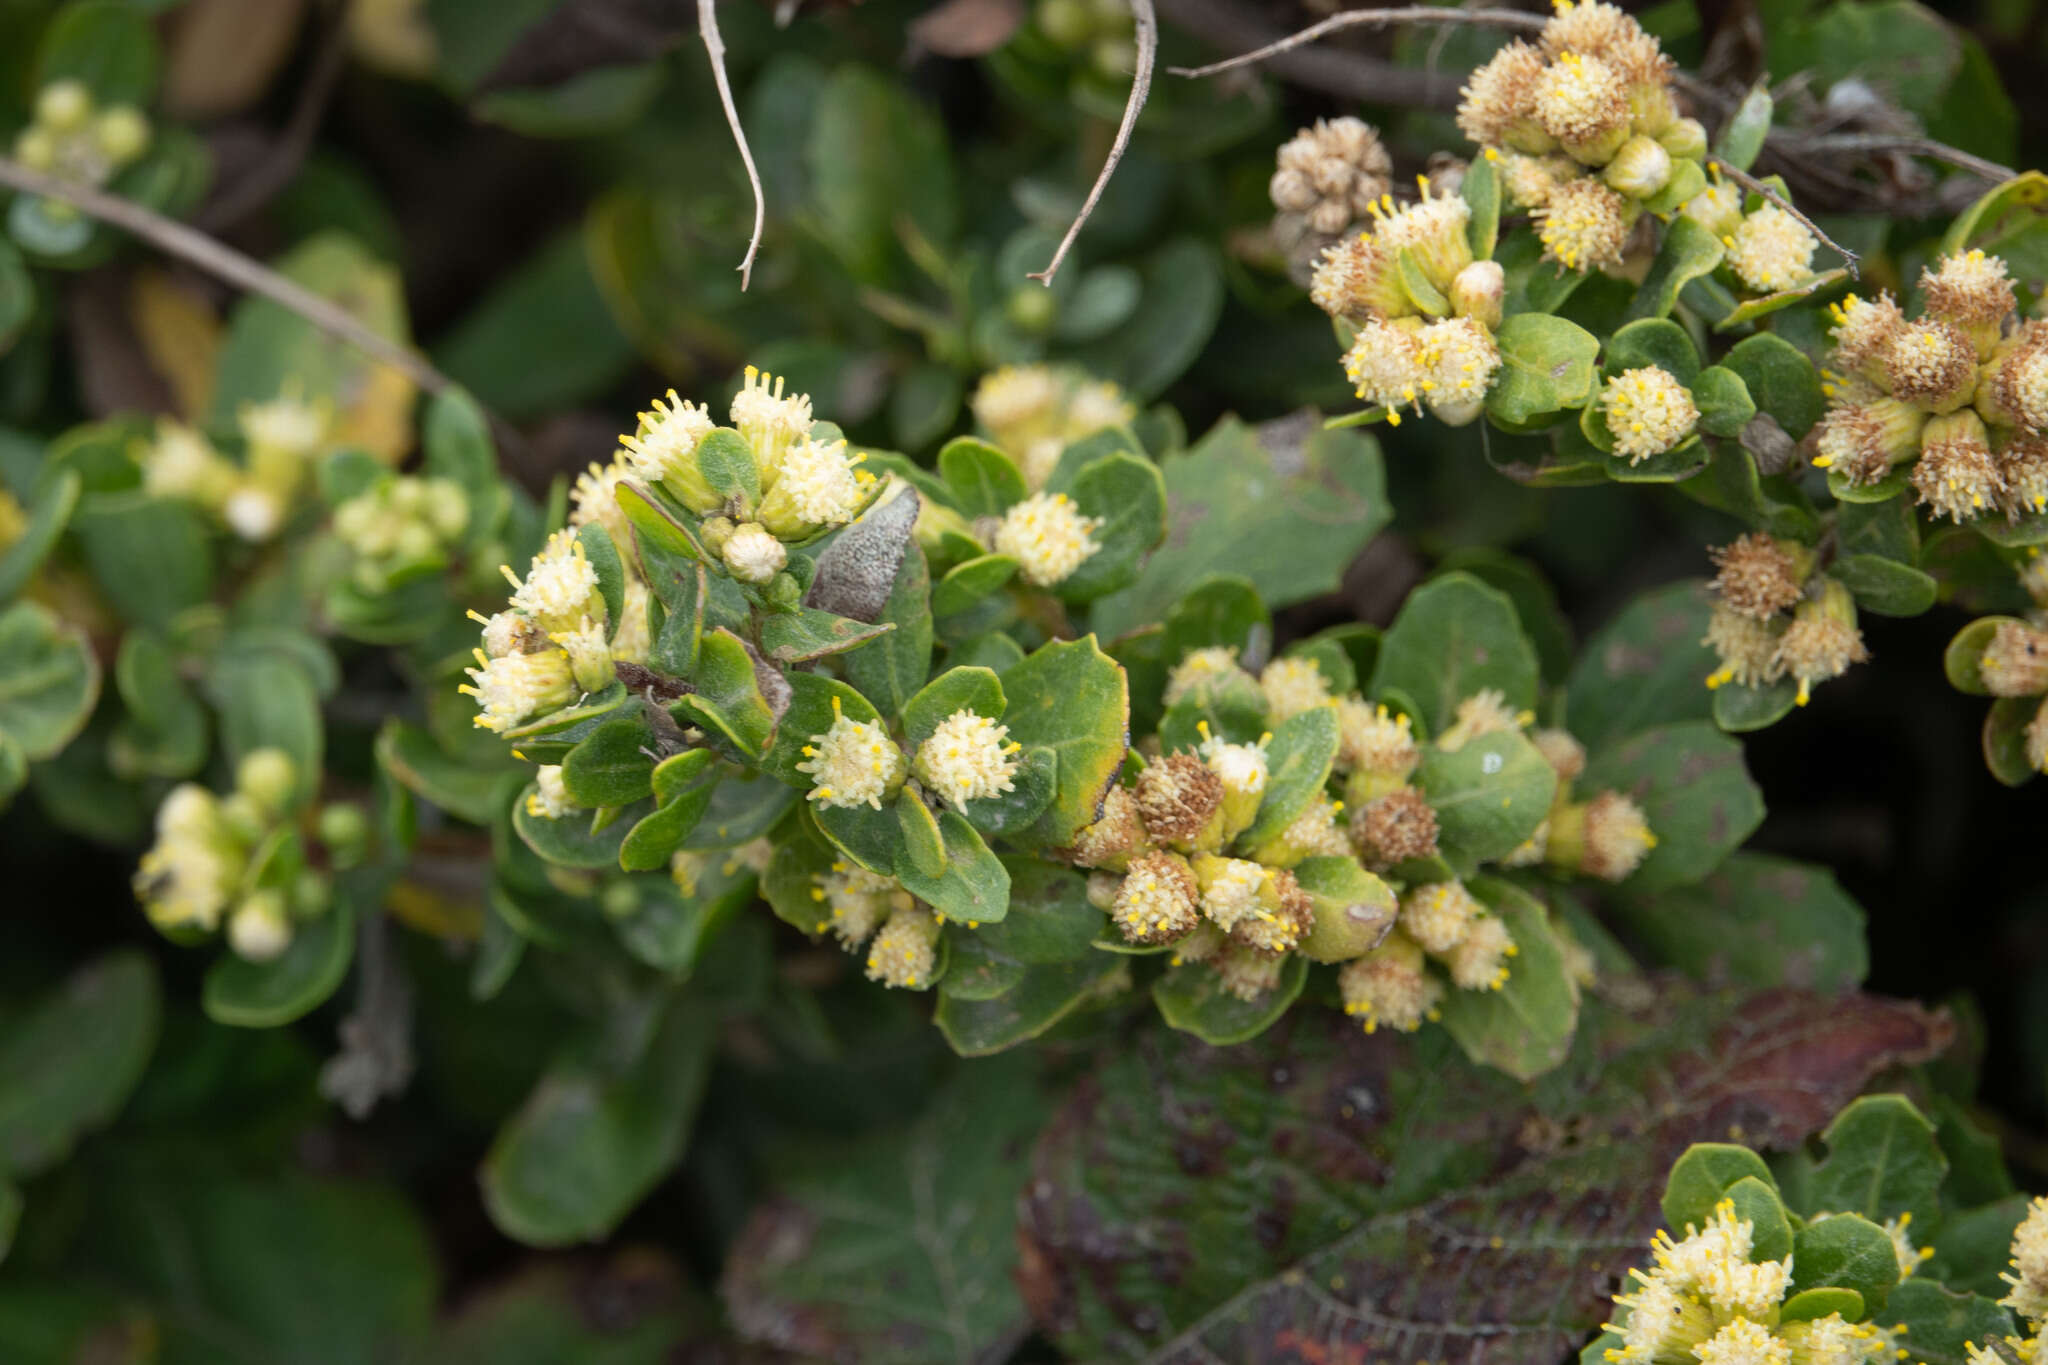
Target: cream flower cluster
[
  {"x": 1648, "y": 412},
  {"x": 966, "y": 758},
  {"x": 76, "y": 141},
  {"x": 860, "y": 909},
  {"x": 551, "y": 644},
  {"x": 401, "y": 523},
  {"x": 1049, "y": 537},
  {"x": 197, "y": 875},
  {"x": 1770, "y": 620},
  {"x": 1959, "y": 393},
  {"x": 1584, "y": 126},
  {"x": 853, "y": 763},
  {"x": 1037, "y": 411},
  {"x": 1708, "y": 1300},
  {"x": 282, "y": 437}
]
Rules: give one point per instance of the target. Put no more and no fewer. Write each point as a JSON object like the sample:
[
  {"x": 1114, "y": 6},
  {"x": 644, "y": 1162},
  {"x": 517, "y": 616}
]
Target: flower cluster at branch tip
[
  {"x": 1648, "y": 412},
  {"x": 1049, "y": 537},
  {"x": 252, "y": 497},
  {"x": 1710, "y": 1300},
  {"x": 203, "y": 871},
  {"x": 73, "y": 140},
  {"x": 1325, "y": 181},
  {"x": 1037, "y": 411},
  {"x": 1775, "y": 617},
  {"x": 967, "y": 757},
  {"x": 853, "y": 762},
  {"x": 1960, "y": 394},
  {"x": 1585, "y": 129}
]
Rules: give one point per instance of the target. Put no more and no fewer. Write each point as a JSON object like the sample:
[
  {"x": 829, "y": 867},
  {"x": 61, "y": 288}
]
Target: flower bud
[
  {"x": 1478, "y": 291},
  {"x": 1822, "y": 640},
  {"x": 1970, "y": 291},
  {"x": 122, "y": 133},
  {"x": 1242, "y": 770},
  {"x": 1760, "y": 575},
  {"x": 1957, "y": 476},
  {"x": 267, "y": 776},
  {"x": 752, "y": 555},
  {"x": 1180, "y": 801},
  {"x": 1685, "y": 139},
  {"x": 245, "y": 817},
  {"x": 260, "y": 929},
  {"x": 63, "y": 106},
  {"x": 344, "y": 831},
  {"x": 1565, "y": 755},
  {"x": 904, "y": 953},
  {"x": 2015, "y": 663},
  {"x": 1157, "y": 900},
  {"x": 1640, "y": 169},
  {"x": 1931, "y": 365},
  {"x": 1115, "y": 838},
  {"x": 1390, "y": 986},
  {"x": 1865, "y": 440},
  {"x": 1606, "y": 837},
  {"x": 1067, "y": 23},
  {"x": 1346, "y": 926},
  {"x": 1031, "y": 309},
  {"x": 1393, "y": 828},
  {"x": 1437, "y": 915},
  {"x": 1311, "y": 834},
  {"x": 36, "y": 149}
]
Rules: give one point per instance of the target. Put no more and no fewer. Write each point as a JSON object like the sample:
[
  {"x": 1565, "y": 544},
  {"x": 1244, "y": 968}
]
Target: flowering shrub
[{"x": 1155, "y": 767}]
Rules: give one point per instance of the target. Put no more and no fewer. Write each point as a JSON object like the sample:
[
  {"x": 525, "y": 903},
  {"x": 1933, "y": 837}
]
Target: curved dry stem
[
  {"x": 226, "y": 263},
  {"x": 1751, "y": 183},
  {"x": 714, "y": 46},
  {"x": 1141, "y": 89},
  {"x": 1372, "y": 18},
  {"x": 1891, "y": 142}
]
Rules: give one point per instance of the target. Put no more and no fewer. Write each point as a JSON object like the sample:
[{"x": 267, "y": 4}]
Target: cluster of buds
[
  {"x": 1709, "y": 1300},
  {"x": 1102, "y": 30},
  {"x": 401, "y": 526},
  {"x": 1036, "y": 411},
  {"x": 1960, "y": 393},
  {"x": 1774, "y": 617},
  {"x": 1326, "y": 181},
  {"x": 1422, "y": 309},
  {"x": 865, "y": 909},
  {"x": 2015, "y": 660},
  {"x": 1585, "y": 127},
  {"x": 75, "y": 141},
  {"x": 205, "y": 867},
  {"x": 281, "y": 440}
]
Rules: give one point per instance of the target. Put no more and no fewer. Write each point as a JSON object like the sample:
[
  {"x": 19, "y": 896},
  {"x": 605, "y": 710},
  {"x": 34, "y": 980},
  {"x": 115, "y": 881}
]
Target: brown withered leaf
[{"x": 1322, "y": 1196}]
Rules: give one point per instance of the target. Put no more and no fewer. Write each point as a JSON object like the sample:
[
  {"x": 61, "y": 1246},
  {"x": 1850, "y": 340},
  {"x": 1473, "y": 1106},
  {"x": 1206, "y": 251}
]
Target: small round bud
[
  {"x": 267, "y": 777},
  {"x": 1640, "y": 169},
  {"x": 122, "y": 133},
  {"x": 1685, "y": 139},
  {"x": 1157, "y": 901},
  {"x": 344, "y": 830},
  {"x": 1957, "y": 476},
  {"x": 752, "y": 554},
  {"x": 1391, "y": 986},
  {"x": 1760, "y": 576},
  {"x": 1478, "y": 291},
  {"x": 260, "y": 928},
  {"x": 1181, "y": 801},
  {"x": 1113, "y": 57},
  {"x": 619, "y": 900},
  {"x": 1648, "y": 412},
  {"x": 36, "y": 149},
  {"x": 63, "y": 106},
  {"x": 312, "y": 894},
  {"x": 253, "y": 512},
  {"x": 1348, "y": 925},
  {"x": 1031, "y": 309},
  {"x": 1565, "y": 755}
]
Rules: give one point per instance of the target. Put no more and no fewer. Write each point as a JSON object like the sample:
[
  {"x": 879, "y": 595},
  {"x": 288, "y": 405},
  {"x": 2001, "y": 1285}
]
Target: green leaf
[
  {"x": 610, "y": 569},
  {"x": 71, "y": 1058},
  {"x": 462, "y": 788},
  {"x": 1127, "y": 496},
  {"x": 1481, "y": 192},
  {"x": 726, "y": 460},
  {"x": 107, "y": 45},
  {"x": 457, "y": 440},
  {"x": 47, "y": 516},
  {"x": 1050, "y": 919},
  {"x": 1740, "y": 708},
  {"x": 1524, "y": 1028},
  {"x": 1810, "y": 1304},
  {"x": 1701, "y": 1179},
  {"x": 1456, "y": 637},
  {"x": 1780, "y": 380},
  {"x": 924, "y": 848},
  {"x": 1963, "y": 660},
  {"x": 957, "y": 689},
  {"x": 1182, "y": 299},
  {"x": 268, "y": 701},
  {"x": 973, "y": 887},
  {"x": 2005, "y": 739},
  {"x": 1070, "y": 697},
  {"x": 1283, "y": 506},
  {"x": 1043, "y": 996},
  {"x": 1885, "y": 586},
  {"x": 1849, "y": 1251},
  {"x": 614, "y": 766},
  {"x": 151, "y": 556},
  {"x": 1652, "y": 341},
  {"x": 1883, "y": 1161},
  {"x": 969, "y": 582},
  {"x": 1757, "y": 1203},
  {"x": 1694, "y": 791},
  {"x": 802, "y": 635},
  {"x": 1546, "y": 366},
  {"x": 1757, "y": 920},
  {"x": 586, "y": 839},
  {"x": 597, "y": 1134},
  {"x": 738, "y": 696},
  {"x": 1943, "y": 1325},
  {"x": 49, "y": 679},
  {"x": 656, "y": 836},
  {"x": 898, "y": 1248},
  {"x": 1489, "y": 796},
  {"x": 1034, "y": 786},
  {"x": 1298, "y": 762},
  {"x": 247, "y": 994},
  {"x": 1382, "y": 1159},
  {"x": 1752, "y": 309},
  {"x": 983, "y": 480},
  {"x": 1645, "y": 667},
  {"x": 875, "y": 154},
  {"x": 1723, "y": 400},
  {"x": 1191, "y": 998},
  {"x": 1741, "y": 138}
]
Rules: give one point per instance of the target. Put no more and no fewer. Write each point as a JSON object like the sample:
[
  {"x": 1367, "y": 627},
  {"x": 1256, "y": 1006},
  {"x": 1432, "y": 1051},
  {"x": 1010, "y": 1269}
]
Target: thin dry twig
[
  {"x": 225, "y": 263},
  {"x": 1756, "y": 186},
  {"x": 707, "y": 24},
  {"x": 1141, "y": 90},
  {"x": 1372, "y": 18},
  {"x": 1893, "y": 142},
  {"x": 262, "y": 181}
]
